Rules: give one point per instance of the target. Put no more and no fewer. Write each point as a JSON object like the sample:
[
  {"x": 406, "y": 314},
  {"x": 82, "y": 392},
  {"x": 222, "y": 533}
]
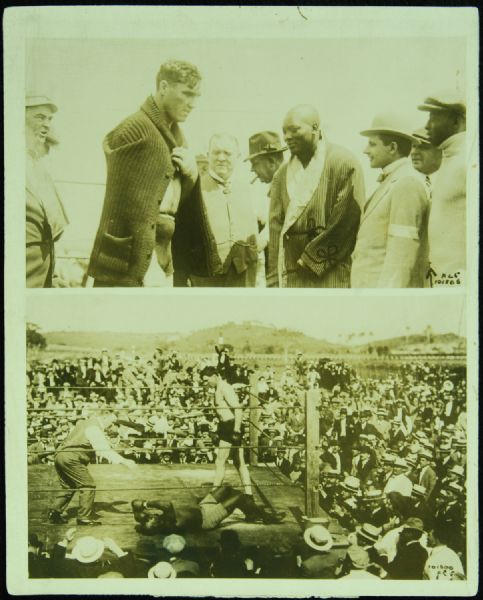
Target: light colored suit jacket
[{"x": 391, "y": 248}]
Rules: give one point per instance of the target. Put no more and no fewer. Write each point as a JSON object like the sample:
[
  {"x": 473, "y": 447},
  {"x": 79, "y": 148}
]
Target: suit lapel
[{"x": 376, "y": 199}]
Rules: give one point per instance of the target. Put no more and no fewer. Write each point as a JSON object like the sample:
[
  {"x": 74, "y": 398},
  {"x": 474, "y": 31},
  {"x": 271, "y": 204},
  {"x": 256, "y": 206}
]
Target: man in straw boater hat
[
  {"x": 316, "y": 558},
  {"x": 45, "y": 214},
  {"x": 446, "y": 129},
  {"x": 314, "y": 208},
  {"x": 88, "y": 557},
  {"x": 391, "y": 247}
]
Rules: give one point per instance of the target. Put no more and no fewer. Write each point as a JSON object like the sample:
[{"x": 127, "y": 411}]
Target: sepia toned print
[
  {"x": 253, "y": 451},
  {"x": 319, "y": 220},
  {"x": 308, "y": 430}
]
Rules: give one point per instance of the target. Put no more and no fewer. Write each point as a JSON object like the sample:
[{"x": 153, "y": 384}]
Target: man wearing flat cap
[
  {"x": 45, "y": 214},
  {"x": 426, "y": 158},
  {"x": 391, "y": 246},
  {"x": 446, "y": 129},
  {"x": 314, "y": 208}
]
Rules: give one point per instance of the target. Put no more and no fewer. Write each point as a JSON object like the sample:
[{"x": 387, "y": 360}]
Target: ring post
[
  {"x": 254, "y": 418},
  {"x": 312, "y": 452}
]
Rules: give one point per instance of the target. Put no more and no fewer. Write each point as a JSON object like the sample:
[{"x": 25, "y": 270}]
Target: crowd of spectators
[{"x": 392, "y": 458}]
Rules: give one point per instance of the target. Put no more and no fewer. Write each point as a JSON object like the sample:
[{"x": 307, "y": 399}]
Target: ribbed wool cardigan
[{"x": 139, "y": 170}]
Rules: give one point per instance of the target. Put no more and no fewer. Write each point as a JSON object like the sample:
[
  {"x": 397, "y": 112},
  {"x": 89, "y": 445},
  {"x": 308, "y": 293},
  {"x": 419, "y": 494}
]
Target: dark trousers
[
  {"x": 73, "y": 474},
  {"x": 231, "y": 278}
]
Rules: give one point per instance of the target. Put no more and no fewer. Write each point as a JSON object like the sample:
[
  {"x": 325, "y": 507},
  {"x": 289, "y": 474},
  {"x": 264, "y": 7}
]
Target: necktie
[
  {"x": 381, "y": 177},
  {"x": 226, "y": 186},
  {"x": 427, "y": 183}
]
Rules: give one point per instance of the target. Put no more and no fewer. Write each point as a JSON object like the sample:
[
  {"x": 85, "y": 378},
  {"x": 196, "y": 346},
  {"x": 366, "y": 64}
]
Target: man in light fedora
[
  {"x": 314, "y": 208},
  {"x": 391, "y": 246},
  {"x": 446, "y": 128},
  {"x": 46, "y": 218}
]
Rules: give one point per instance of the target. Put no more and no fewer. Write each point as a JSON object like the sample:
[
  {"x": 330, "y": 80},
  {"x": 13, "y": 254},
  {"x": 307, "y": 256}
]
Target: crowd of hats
[{"x": 418, "y": 411}]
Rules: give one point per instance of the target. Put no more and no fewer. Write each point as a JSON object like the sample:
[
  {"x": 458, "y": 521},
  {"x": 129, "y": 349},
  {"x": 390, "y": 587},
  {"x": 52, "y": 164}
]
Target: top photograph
[{"x": 331, "y": 163}]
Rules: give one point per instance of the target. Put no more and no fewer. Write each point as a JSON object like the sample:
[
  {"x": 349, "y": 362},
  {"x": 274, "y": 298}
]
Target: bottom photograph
[{"x": 246, "y": 437}]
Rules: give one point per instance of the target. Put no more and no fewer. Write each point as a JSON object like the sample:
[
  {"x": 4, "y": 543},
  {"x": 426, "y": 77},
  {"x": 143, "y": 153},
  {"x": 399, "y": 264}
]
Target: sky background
[
  {"x": 248, "y": 85},
  {"x": 329, "y": 317}
]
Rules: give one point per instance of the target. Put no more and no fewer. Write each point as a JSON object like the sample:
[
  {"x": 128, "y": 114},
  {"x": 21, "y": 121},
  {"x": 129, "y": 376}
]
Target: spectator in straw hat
[
  {"x": 374, "y": 511},
  {"x": 314, "y": 208},
  {"x": 419, "y": 506},
  {"x": 87, "y": 558},
  {"x": 46, "y": 218},
  {"x": 427, "y": 475},
  {"x": 316, "y": 559},
  {"x": 162, "y": 570},
  {"x": 446, "y": 129},
  {"x": 399, "y": 481},
  {"x": 358, "y": 562},
  {"x": 391, "y": 247}
]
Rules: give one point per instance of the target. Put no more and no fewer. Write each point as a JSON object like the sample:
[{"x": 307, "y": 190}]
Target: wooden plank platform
[{"x": 117, "y": 486}]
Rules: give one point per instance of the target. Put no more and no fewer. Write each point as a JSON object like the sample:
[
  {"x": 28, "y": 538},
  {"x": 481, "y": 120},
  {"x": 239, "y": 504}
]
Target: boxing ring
[{"x": 117, "y": 486}]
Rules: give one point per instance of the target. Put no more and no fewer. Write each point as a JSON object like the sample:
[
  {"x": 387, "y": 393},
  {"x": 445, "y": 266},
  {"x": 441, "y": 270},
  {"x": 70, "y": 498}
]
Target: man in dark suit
[
  {"x": 343, "y": 429},
  {"x": 314, "y": 208},
  {"x": 153, "y": 196},
  {"x": 282, "y": 462}
]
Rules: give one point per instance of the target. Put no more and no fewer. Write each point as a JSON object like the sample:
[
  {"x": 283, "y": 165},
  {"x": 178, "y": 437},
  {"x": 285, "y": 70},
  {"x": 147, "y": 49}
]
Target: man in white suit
[{"x": 391, "y": 247}]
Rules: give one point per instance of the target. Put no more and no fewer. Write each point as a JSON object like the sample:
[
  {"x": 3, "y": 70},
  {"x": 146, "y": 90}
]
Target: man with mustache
[
  {"x": 153, "y": 196},
  {"x": 314, "y": 208},
  {"x": 45, "y": 215}
]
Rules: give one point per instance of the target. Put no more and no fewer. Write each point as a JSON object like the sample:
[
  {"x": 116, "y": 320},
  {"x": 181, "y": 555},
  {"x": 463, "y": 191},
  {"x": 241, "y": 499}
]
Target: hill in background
[{"x": 248, "y": 337}]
